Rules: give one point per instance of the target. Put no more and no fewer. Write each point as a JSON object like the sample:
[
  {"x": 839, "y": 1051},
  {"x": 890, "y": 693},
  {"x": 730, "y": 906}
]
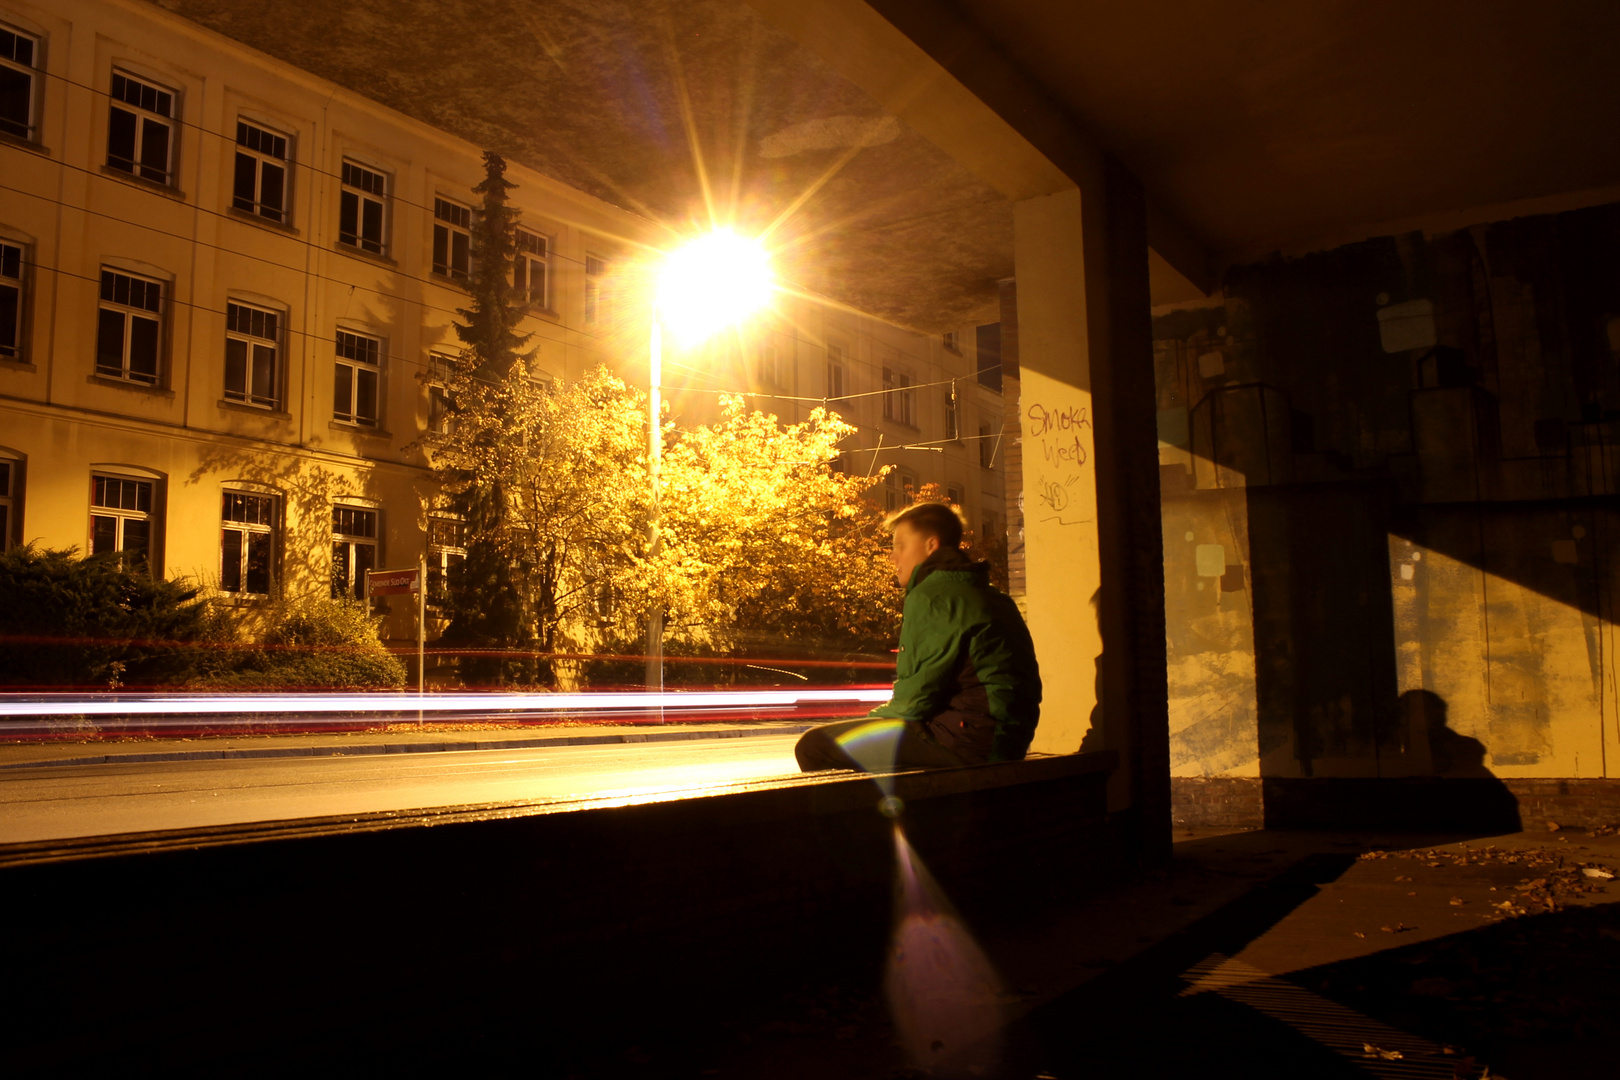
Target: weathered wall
[{"x": 1389, "y": 476}]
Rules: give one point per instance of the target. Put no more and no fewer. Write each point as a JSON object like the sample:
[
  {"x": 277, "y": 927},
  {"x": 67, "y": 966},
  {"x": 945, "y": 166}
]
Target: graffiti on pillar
[{"x": 1061, "y": 432}]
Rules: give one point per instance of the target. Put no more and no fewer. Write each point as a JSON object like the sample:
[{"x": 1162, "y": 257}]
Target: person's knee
[{"x": 815, "y": 751}]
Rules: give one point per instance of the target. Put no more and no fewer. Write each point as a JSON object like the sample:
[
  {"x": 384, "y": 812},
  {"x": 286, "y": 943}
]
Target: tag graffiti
[
  {"x": 1063, "y": 434},
  {"x": 1059, "y": 432}
]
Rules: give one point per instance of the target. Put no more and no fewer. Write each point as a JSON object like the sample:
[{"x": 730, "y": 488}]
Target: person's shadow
[
  {"x": 1444, "y": 784},
  {"x": 1452, "y": 754}
]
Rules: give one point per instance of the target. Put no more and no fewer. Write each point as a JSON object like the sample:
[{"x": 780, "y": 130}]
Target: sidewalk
[
  {"x": 400, "y": 738},
  {"x": 1255, "y": 954}
]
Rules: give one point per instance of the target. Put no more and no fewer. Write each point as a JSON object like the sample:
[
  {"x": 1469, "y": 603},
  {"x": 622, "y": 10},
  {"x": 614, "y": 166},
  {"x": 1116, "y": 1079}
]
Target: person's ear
[{"x": 930, "y": 544}]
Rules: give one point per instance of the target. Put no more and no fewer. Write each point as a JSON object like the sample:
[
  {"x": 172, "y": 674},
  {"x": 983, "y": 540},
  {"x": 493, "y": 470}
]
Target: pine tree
[{"x": 490, "y": 394}]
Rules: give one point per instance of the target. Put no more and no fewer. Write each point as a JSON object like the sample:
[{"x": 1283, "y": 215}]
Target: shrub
[
  {"x": 93, "y": 621},
  {"x": 312, "y": 643}
]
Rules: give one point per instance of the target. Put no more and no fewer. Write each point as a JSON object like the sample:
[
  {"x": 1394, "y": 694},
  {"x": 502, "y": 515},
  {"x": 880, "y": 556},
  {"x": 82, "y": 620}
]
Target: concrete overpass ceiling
[
  {"x": 1256, "y": 125},
  {"x": 1276, "y": 124},
  {"x": 591, "y": 92}
]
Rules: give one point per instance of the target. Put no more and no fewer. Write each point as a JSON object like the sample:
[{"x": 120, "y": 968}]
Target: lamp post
[
  {"x": 655, "y": 457},
  {"x": 705, "y": 285}
]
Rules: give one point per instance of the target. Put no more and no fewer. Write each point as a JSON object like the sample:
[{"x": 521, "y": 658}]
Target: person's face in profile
[{"x": 910, "y": 549}]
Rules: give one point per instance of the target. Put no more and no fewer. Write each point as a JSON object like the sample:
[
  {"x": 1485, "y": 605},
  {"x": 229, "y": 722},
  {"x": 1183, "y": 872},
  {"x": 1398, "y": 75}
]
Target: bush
[
  {"x": 314, "y": 643},
  {"x": 93, "y": 621}
]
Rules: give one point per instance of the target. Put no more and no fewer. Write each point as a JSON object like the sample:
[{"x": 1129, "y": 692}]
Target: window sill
[
  {"x": 262, "y": 222},
  {"x": 24, "y": 144},
  {"x": 255, "y": 410},
  {"x": 359, "y": 429},
  {"x": 542, "y": 313},
  {"x": 448, "y": 281},
  {"x": 141, "y": 182},
  {"x": 8, "y": 363},
  {"x": 127, "y": 384},
  {"x": 362, "y": 253}
]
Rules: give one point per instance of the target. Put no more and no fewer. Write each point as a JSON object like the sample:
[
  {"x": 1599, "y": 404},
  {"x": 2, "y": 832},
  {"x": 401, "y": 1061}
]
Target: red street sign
[{"x": 392, "y": 582}]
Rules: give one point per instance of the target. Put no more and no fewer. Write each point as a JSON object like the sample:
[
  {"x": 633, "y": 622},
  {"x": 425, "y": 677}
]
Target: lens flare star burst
[{"x": 715, "y": 281}]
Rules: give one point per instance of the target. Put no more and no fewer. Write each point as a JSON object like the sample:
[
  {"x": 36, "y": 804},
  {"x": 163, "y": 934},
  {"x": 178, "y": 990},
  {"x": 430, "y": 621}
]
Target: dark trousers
[{"x": 872, "y": 745}]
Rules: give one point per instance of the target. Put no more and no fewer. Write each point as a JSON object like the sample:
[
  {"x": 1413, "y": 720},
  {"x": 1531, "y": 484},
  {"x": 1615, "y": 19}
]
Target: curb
[{"x": 409, "y": 748}]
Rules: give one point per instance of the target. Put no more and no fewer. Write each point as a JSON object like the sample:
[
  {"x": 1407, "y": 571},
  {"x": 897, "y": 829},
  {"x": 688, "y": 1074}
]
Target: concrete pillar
[
  {"x": 1094, "y": 579},
  {"x": 1085, "y": 364}
]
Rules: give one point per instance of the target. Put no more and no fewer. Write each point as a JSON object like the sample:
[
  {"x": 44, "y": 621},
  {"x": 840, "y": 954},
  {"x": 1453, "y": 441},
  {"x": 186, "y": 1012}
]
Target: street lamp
[{"x": 707, "y": 284}]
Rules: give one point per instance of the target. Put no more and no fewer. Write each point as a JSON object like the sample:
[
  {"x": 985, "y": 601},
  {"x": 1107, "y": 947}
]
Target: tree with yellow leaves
[{"x": 767, "y": 549}]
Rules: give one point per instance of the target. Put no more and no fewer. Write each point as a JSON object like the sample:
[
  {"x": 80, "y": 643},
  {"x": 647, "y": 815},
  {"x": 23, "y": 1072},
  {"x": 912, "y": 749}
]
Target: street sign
[{"x": 393, "y": 582}]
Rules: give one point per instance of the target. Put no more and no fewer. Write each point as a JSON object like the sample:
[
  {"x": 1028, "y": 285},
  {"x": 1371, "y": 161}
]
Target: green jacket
[{"x": 966, "y": 669}]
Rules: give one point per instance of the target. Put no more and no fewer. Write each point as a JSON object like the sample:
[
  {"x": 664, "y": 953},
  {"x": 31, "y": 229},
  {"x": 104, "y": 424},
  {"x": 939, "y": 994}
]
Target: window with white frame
[
  {"x": 261, "y": 172},
  {"x": 440, "y": 414},
  {"x": 129, "y": 330},
  {"x": 252, "y": 352},
  {"x": 11, "y": 300},
  {"x": 354, "y": 550},
  {"x": 19, "y": 83},
  {"x": 987, "y": 444},
  {"x": 362, "y": 207},
  {"x": 452, "y": 239},
  {"x": 447, "y": 546},
  {"x": 953, "y": 413},
  {"x": 598, "y": 301},
  {"x": 122, "y": 518},
  {"x": 356, "y": 377},
  {"x": 10, "y": 497},
  {"x": 142, "y": 129},
  {"x": 531, "y": 269},
  {"x": 247, "y": 543},
  {"x": 898, "y": 404}
]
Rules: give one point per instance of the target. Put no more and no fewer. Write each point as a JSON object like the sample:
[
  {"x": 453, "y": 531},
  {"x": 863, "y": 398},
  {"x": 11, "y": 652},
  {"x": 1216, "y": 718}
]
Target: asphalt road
[{"x": 96, "y": 800}]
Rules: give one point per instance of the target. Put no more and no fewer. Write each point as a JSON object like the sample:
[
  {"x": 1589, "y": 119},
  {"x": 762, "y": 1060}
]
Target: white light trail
[{"x": 39, "y": 705}]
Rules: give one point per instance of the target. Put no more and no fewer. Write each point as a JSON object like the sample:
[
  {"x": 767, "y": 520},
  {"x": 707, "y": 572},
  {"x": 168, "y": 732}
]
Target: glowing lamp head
[{"x": 713, "y": 282}]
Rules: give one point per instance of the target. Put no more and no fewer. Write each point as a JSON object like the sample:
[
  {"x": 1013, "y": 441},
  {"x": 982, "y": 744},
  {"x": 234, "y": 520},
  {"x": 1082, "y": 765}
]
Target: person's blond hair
[{"x": 938, "y": 520}]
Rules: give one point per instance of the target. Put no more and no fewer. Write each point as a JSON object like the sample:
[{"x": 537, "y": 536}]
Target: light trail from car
[{"x": 36, "y": 715}]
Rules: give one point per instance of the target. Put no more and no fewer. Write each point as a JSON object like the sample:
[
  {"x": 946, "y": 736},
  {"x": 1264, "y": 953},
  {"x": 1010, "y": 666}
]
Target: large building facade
[{"x": 226, "y": 287}]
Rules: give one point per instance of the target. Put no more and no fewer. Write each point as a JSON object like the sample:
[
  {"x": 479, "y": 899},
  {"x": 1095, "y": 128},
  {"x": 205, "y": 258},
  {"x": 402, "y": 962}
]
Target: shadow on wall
[
  {"x": 1389, "y": 466},
  {"x": 1458, "y": 792}
]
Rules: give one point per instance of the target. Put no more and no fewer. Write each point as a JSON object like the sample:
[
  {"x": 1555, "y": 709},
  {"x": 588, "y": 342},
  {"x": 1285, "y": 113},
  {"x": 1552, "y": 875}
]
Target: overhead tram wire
[
  {"x": 935, "y": 444},
  {"x": 396, "y": 272},
  {"x": 404, "y": 276},
  {"x": 391, "y": 357},
  {"x": 299, "y": 165}
]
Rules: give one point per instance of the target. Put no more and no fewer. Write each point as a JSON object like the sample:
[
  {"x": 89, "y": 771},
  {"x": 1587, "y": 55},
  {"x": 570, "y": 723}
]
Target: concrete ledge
[
  {"x": 542, "y": 914},
  {"x": 36, "y": 756}
]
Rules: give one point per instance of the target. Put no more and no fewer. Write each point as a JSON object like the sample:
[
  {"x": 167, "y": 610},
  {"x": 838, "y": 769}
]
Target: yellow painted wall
[{"x": 1059, "y": 478}]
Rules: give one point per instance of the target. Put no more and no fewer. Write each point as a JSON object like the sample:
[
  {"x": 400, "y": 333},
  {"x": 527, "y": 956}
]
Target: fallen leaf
[
  {"x": 1457, "y": 901},
  {"x": 1372, "y": 1050},
  {"x": 1596, "y": 872},
  {"x": 1359, "y": 934},
  {"x": 1552, "y": 826}
]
